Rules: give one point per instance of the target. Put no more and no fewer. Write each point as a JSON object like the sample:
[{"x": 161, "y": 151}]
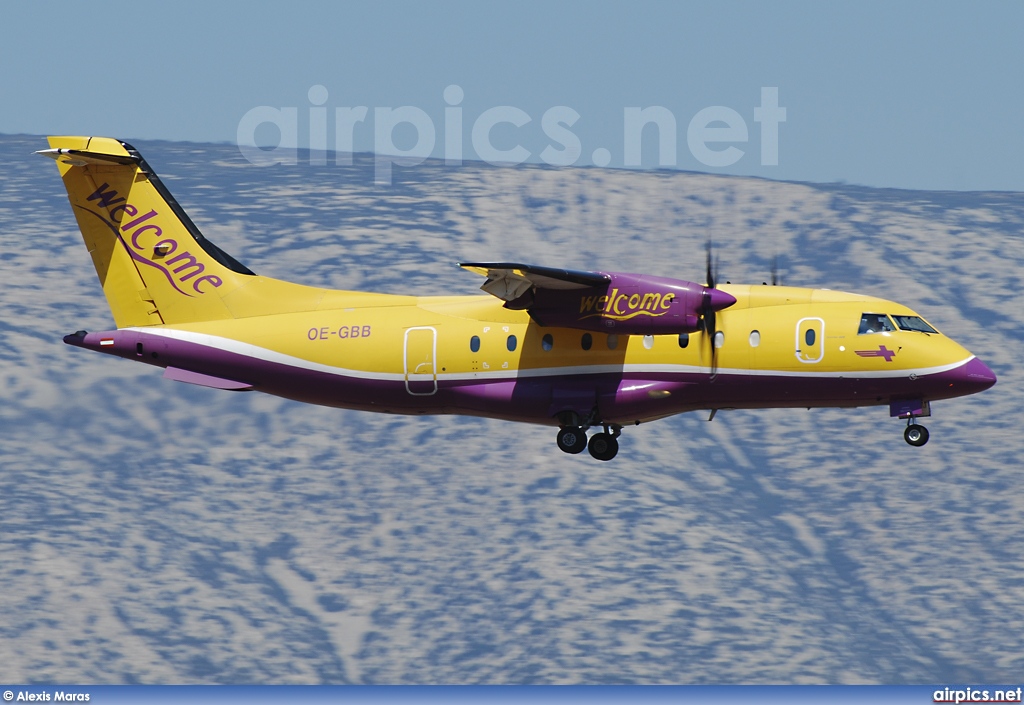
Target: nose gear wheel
[{"x": 916, "y": 435}]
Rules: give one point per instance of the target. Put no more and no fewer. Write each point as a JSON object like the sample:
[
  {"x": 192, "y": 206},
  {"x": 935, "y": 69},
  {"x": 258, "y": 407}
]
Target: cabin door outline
[
  {"x": 419, "y": 353},
  {"x": 810, "y": 349}
]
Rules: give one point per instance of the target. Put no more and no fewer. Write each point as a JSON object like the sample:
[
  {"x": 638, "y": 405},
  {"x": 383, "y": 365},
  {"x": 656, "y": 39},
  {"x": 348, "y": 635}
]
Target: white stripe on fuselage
[{"x": 254, "y": 351}]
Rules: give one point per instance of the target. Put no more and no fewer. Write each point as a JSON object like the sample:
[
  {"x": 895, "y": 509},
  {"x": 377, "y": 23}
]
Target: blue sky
[{"x": 923, "y": 95}]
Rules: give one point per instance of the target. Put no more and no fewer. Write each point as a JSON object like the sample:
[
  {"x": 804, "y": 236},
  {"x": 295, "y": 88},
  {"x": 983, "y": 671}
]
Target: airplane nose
[{"x": 977, "y": 375}]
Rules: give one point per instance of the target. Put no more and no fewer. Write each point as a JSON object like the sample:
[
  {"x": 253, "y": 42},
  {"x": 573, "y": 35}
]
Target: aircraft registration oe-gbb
[{"x": 574, "y": 349}]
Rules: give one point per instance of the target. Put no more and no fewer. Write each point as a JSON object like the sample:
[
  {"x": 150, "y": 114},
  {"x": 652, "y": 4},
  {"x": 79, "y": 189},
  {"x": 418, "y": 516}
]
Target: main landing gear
[
  {"x": 603, "y": 445},
  {"x": 572, "y": 439}
]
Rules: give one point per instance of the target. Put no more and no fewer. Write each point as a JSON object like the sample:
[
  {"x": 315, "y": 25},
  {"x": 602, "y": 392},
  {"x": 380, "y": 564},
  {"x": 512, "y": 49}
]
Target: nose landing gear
[{"x": 911, "y": 410}]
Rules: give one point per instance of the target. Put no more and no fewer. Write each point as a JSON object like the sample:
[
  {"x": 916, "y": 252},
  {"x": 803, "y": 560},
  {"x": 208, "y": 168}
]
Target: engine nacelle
[{"x": 629, "y": 304}]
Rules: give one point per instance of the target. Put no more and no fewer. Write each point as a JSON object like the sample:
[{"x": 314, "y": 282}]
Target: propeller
[
  {"x": 708, "y": 308},
  {"x": 713, "y": 300},
  {"x": 776, "y": 279},
  {"x": 712, "y": 271}
]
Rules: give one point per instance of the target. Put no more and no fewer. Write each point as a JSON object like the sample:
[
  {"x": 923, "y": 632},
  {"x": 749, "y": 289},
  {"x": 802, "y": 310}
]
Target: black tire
[
  {"x": 916, "y": 435},
  {"x": 603, "y": 446},
  {"x": 572, "y": 439}
]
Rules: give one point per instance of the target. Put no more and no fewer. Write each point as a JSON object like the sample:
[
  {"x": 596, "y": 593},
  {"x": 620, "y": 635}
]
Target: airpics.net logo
[{"x": 715, "y": 136}]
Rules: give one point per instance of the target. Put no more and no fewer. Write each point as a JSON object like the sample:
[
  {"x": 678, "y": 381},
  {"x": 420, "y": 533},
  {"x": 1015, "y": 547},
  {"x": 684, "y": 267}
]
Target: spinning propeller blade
[{"x": 708, "y": 308}]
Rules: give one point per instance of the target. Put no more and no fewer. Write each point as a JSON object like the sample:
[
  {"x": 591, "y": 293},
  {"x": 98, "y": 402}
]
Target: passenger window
[
  {"x": 511, "y": 343},
  {"x": 547, "y": 342},
  {"x": 587, "y": 341},
  {"x": 874, "y": 323},
  {"x": 474, "y": 343},
  {"x": 613, "y": 341},
  {"x": 684, "y": 339},
  {"x": 809, "y": 336}
]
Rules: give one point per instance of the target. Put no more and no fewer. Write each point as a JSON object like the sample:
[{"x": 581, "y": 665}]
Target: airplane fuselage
[{"x": 780, "y": 347}]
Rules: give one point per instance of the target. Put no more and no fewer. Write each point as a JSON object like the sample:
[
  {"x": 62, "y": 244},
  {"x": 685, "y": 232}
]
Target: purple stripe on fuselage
[{"x": 621, "y": 397}]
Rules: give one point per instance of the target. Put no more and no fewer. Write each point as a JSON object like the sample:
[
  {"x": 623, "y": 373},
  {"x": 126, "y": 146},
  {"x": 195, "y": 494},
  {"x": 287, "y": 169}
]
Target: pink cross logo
[{"x": 881, "y": 352}]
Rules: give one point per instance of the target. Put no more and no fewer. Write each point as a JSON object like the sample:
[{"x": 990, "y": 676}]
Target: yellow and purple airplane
[{"x": 573, "y": 349}]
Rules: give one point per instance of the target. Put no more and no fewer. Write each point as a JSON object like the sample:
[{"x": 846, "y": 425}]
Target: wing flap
[{"x": 511, "y": 280}]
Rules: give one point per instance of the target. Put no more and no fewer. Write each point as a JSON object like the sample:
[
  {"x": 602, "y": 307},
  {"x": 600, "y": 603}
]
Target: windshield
[
  {"x": 874, "y": 323},
  {"x": 914, "y": 323}
]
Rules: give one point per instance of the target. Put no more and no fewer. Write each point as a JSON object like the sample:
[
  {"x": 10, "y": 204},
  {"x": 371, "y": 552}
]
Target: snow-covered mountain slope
[{"x": 156, "y": 532}]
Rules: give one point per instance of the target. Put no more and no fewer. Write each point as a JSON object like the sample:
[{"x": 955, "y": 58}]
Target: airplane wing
[
  {"x": 510, "y": 281},
  {"x": 606, "y": 302}
]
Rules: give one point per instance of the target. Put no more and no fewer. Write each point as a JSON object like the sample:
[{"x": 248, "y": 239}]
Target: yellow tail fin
[{"x": 154, "y": 264}]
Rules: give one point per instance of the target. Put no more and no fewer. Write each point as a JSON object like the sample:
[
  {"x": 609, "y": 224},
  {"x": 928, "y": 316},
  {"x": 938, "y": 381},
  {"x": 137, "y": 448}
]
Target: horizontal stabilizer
[{"x": 82, "y": 157}]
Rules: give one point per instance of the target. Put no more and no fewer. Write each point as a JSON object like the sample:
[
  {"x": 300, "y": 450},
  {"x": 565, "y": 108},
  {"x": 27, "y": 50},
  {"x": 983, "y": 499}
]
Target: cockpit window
[
  {"x": 874, "y": 323},
  {"x": 914, "y": 323}
]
